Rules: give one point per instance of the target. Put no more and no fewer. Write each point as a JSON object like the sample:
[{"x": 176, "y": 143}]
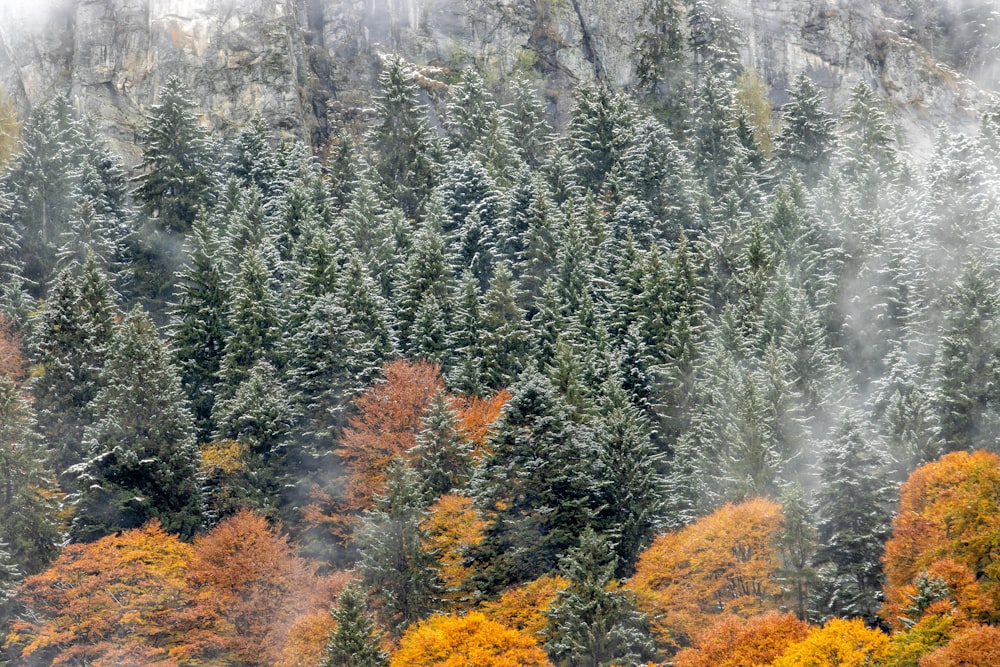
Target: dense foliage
[{"x": 636, "y": 384}]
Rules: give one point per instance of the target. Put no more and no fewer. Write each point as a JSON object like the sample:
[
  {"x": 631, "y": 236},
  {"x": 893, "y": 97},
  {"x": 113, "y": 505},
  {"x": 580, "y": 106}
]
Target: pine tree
[
  {"x": 797, "y": 542},
  {"x": 598, "y": 133},
  {"x": 427, "y": 274},
  {"x": 177, "y": 174},
  {"x": 468, "y": 112},
  {"x": 853, "y": 507},
  {"x": 401, "y": 142},
  {"x": 713, "y": 39},
  {"x": 539, "y": 485},
  {"x": 355, "y": 642},
  {"x": 662, "y": 57},
  {"x": 254, "y": 162},
  {"x": 526, "y": 118},
  {"x": 393, "y": 561},
  {"x": 867, "y": 138},
  {"x": 592, "y": 622},
  {"x": 143, "y": 461}
]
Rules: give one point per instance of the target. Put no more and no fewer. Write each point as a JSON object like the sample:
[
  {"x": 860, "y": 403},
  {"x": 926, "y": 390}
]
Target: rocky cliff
[{"x": 302, "y": 64}]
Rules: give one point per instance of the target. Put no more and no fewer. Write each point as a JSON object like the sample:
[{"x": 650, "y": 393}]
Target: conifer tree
[
  {"x": 254, "y": 162},
  {"x": 428, "y": 274},
  {"x": 468, "y": 112},
  {"x": 504, "y": 340},
  {"x": 592, "y": 621},
  {"x": 806, "y": 139},
  {"x": 599, "y": 130},
  {"x": 525, "y": 116},
  {"x": 177, "y": 175},
  {"x": 198, "y": 324},
  {"x": 539, "y": 484},
  {"x": 143, "y": 461},
  {"x": 662, "y": 54},
  {"x": 853, "y": 508},
  {"x": 393, "y": 561},
  {"x": 28, "y": 491},
  {"x": 442, "y": 455},
  {"x": 355, "y": 642},
  {"x": 401, "y": 142}
]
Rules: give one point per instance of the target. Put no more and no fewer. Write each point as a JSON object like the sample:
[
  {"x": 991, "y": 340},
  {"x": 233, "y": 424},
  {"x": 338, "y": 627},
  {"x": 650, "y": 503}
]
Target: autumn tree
[
  {"x": 103, "y": 601},
  {"x": 839, "y": 643},
  {"x": 246, "y": 585},
  {"x": 971, "y": 646},
  {"x": 386, "y": 422},
  {"x": 526, "y": 607},
  {"x": 452, "y": 528},
  {"x": 472, "y": 639},
  {"x": 737, "y": 642},
  {"x": 945, "y": 528},
  {"x": 724, "y": 562}
]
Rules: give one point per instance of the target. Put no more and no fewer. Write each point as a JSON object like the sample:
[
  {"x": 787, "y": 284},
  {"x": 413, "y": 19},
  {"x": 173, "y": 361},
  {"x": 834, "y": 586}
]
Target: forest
[{"x": 681, "y": 379}]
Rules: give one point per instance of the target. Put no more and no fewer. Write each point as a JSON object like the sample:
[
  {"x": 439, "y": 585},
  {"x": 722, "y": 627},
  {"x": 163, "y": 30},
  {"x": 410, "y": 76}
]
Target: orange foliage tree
[
  {"x": 742, "y": 642},
  {"x": 477, "y": 415},
  {"x": 946, "y": 531},
  {"x": 108, "y": 602},
  {"x": 248, "y": 590},
  {"x": 972, "y": 646},
  {"x": 386, "y": 422},
  {"x": 473, "y": 639},
  {"x": 839, "y": 643},
  {"x": 452, "y": 527},
  {"x": 526, "y": 607},
  {"x": 724, "y": 562}
]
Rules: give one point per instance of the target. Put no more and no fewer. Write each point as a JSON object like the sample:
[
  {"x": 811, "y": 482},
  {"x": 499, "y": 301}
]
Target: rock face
[{"x": 304, "y": 64}]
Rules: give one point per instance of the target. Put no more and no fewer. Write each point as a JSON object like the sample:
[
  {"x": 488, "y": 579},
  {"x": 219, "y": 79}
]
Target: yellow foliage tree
[
  {"x": 839, "y": 643},
  {"x": 972, "y": 646},
  {"x": 473, "y": 639},
  {"x": 525, "y": 607},
  {"x": 453, "y": 526},
  {"x": 724, "y": 562}
]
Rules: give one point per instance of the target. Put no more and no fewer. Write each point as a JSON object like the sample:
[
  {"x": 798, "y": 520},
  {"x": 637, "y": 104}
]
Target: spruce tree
[
  {"x": 806, "y": 141},
  {"x": 355, "y": 642},
  {"x": 592, "y": 622},
  {"x": 403, "y": 148},
  {"x": 503, "y": 338},
  {"x": 540, "y": 484},
  {"x": 143, "y": 460},
  {"x": 177, "y": 174},
  {"x": 442, "y": 455},
  {"x": 853, "y": 509},
  {"x": 526, "y": 118},
  {"x": 393, "y": 560}
]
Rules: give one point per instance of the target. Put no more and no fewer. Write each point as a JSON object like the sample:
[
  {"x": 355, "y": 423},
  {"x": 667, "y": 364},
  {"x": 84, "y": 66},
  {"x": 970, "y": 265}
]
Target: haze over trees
[{"x": 678, "y": 379}]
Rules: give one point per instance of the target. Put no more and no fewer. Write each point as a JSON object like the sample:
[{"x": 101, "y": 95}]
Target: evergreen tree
[
  {"x": 393, "y": 561},
  {"x": 253, "y": 324},
  {"x": 355, "y": 642},
  {"x": 525, "y": 116},
  {"x": 254, "y": 163},
  {"x": 599, "y": 130},
  {"x": 853, "y": 508},
  {"x": 442, "y": 455},
  {"x": 967, "y": 367},
  {"x": 143, "y": 463},
  {"x": 806, "y": 140},
  {"x": 713, "y": 39},
  {"x": 28, "y": 492},
  {"x": 503, "y": 337},
  {"x": 177, "y": 174},
  {"x": 635, "y": 494},
  {"x": 539, "y": 484},
  {"x": 198, "y": 324},
  {"x": 662, "y": 58},
  {"x": 797, "y": 542},
  {"x": 468, "y": 112},
  {"x": 401, "y": 142},
  {"x": 593, "y": 623},
  {"x": 428, "y": 274},
  {"x": 69, "y": 344},
  {"x": 867, "y": 141},
  {"x": 10, "y": 577}
]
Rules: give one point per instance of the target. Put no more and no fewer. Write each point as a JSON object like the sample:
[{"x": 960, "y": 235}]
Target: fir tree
[
  {"x": 526, "y": 118},
  {"x": 355, "y": 642},
  {"x": 598, "y": 133},
  {"x": 504, "y": 341},
  {"x": 442, "y": 455},
  {"x": 592, "y": 622},
  {"x": 806, "y": 140},
  {"x": 143, "y": 462},
  {"x": 198, "y": 324}
]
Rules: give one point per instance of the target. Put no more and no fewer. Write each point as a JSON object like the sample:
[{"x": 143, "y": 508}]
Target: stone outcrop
[{"x": 304, "y": 64}]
